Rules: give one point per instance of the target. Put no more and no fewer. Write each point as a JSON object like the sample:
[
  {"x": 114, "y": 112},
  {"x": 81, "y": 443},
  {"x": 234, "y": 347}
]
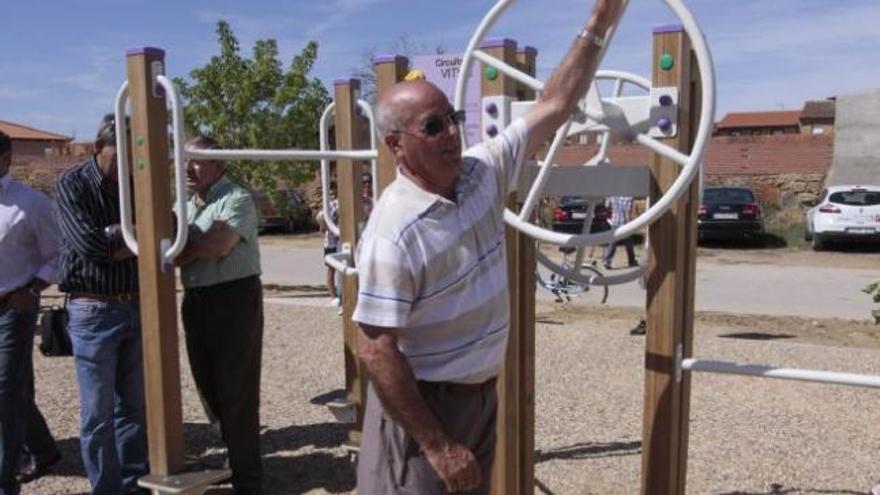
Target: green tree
[{"x": 253, "y": 103}]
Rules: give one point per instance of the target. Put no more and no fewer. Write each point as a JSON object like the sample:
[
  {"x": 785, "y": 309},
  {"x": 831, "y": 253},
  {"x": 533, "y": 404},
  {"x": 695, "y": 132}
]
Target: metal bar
[
  {"x": 310, "y": 155},
  {"x": 764, "y": 371}
]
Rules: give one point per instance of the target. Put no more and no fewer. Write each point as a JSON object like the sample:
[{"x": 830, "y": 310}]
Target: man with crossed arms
[{"x": 433, "y": 300}]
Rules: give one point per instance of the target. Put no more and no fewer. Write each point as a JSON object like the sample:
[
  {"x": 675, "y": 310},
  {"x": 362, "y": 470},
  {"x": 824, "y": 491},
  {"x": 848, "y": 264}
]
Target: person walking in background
[
  {"x": 101, "y": 276},
  {"x": 621, "y": 211},
  {"x": 331, "y": 242},
  {"x": 223, "y": 311},
  {"x": 28, "y": 264}
]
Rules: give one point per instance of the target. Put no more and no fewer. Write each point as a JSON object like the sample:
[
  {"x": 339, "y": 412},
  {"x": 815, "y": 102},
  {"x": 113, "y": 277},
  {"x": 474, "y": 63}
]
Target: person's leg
[
  {"x": 630, "y": 251},
  {"x": 130, "y": 408},
  {"x": 608, "y": 255},
  {"x": 195, "y": 312},
  {"x": 39, "y": 446},
  {"x": 16, "y": 341},
  {"x": 93, "y": 331},
  {"x": 237, "y": 322}
]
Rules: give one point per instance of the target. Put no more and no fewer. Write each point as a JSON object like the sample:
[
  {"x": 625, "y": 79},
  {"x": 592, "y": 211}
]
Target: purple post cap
[
  {"x": 354, "y": 82},
  {"x": 145, "y": 50},
  {"x": 498, "y": 43},
  {"x": 528, "y": 50},
  {"x": 665, "y": 100},
  {"x": 664, "y": 123},
  {"x": 491, "y": 108},
  {"x": 668, "y": 28},
  {"x": 388, "y": 58},
  {"x": 492, "y": 130}
]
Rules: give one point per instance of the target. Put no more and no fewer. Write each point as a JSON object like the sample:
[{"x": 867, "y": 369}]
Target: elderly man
[
  {"x": 433, "y": 308},
  {"x": 28, "y": 264},
  {"x": 101, "y": 276},
  {"x": 223, "y": 311}
]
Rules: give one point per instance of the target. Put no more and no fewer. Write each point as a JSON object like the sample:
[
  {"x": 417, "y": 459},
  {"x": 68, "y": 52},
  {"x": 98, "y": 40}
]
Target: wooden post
[
  {"x": 158, "y": 305},
  {"x": 670, "y": 311},
  {"x": 350, "y": 214},
  {"x": 513, "y": 472},
  {"x": 527, "y": 61},
  {"x": 389, "y": 69}
]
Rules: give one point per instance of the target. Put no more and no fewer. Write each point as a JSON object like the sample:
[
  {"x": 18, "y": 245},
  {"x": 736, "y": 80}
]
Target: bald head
[{"x": 400, "y": 103}]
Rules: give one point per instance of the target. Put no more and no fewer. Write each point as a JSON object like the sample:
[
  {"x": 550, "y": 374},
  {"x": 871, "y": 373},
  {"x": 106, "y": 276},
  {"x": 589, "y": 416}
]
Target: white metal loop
[
  {"x": 342, "y": 261},
  {"x": 179, "y": 171},
  {"x": 690, "y": 163},
  {"x": 323, "y": 127},
  {"x": 124, "y": 176}
]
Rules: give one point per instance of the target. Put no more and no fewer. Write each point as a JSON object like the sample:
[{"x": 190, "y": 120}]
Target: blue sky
[{"x": 64, "y": 59}]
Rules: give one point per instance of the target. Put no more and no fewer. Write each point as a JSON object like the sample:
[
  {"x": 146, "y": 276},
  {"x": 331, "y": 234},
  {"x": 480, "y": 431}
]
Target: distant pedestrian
[{"x": 621, "y": 211}]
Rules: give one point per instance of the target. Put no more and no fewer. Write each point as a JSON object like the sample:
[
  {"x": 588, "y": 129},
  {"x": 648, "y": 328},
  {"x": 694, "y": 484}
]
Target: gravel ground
[{"x": 748, "y": 436}]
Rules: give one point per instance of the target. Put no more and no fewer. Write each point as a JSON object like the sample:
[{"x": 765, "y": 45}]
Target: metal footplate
[{"x": 192, "y": 483}]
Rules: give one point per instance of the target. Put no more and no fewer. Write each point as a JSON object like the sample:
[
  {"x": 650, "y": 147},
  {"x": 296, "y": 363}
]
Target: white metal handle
[
  {"x": 179, "y": 170},
  {"x": 342, "y": 261},
  {"x": 124, "y": 177},
  {"x": 691, "y": 163},
  {"x": 324, "y": 126}
]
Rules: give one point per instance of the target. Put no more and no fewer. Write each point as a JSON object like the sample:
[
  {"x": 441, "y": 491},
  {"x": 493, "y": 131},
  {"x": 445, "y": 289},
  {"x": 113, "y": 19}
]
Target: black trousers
[{"x": 224, "y": 339}]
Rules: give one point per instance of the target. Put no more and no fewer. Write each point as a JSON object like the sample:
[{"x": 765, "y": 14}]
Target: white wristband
[{"x": 585, "y": 34}]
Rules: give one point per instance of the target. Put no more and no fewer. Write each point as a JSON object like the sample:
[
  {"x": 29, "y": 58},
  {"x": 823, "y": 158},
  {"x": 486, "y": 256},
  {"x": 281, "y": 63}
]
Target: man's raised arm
[{"x": 572, "y": 77}]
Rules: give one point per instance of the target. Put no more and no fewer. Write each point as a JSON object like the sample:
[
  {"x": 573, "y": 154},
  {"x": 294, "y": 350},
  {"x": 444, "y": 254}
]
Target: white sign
[{"x": 442, "y": 70}]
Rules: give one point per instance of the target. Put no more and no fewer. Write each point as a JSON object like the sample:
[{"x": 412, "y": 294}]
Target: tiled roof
[
  {"x": 760, "y": 119},
  {"x": 18, "y": 131},
  {"x": 823, "y": 109},
  {"x": 747, "y": 155}
]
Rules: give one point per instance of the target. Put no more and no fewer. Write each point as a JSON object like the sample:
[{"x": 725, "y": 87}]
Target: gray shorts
[{"x": 391, "y": 462}]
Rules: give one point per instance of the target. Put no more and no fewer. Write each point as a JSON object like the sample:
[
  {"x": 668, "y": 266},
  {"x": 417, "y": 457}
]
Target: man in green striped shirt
[{"x": 223, "y": 311}]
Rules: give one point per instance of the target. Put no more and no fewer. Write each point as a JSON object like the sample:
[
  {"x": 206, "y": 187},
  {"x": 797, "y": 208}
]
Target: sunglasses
[{"x": 436, "y": 124}]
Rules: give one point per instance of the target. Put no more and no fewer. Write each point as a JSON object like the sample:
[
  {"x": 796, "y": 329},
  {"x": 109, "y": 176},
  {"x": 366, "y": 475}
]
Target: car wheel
[{"x": 818, "y": 243}]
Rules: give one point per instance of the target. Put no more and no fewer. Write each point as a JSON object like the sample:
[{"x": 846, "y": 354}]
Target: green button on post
[
  {"x": 491, "y": 73},
  {"x": 667, "y": 61},
  {"x": 139, "y": 141},
  {"x": 140, "y": 164}
]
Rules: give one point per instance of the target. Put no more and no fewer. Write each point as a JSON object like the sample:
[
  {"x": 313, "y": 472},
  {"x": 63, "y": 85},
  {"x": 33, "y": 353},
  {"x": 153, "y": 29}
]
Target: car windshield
[
  {"x": 736, "y": 196},
  {"x": 572, "y": 201},
  {"x": 856, "y": 197}
]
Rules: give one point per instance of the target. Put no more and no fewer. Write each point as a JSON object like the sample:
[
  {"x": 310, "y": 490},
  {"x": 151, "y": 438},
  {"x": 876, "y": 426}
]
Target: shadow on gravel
[
  {"x": 589, "y": 450},
  {"x": 780, "y": 489},
  {"x": 757, "y": 336},
  {"x": 285, "y": 470}
]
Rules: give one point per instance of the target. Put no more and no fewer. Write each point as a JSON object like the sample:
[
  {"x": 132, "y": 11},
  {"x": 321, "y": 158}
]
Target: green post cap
[
  {"x": 667, "y": 61},
  {"x": 491, "y": 73}
]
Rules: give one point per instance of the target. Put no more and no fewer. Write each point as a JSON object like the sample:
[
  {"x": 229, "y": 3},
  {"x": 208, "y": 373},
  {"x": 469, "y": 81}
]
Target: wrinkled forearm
[{"x": 396, "y": 386}]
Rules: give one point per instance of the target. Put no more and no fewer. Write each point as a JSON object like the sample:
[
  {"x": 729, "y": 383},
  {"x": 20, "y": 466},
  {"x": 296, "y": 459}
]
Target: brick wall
[{"x": 784, "y": 170}]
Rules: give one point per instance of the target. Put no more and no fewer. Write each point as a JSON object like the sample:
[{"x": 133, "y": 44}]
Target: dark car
[
  {"x": 571, "y": 212},
  {"x": 292, "y": 214},
  {"x": 730, "y": 213}
]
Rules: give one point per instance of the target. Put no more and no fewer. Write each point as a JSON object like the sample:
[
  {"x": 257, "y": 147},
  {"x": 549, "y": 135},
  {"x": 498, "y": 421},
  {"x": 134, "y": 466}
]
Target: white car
[{"x": 844, "y": 213}]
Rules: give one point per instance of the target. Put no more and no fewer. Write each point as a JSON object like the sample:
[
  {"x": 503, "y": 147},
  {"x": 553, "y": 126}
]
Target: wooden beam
[
  {"x": 158, "y": 304},
  {"x": 670, "y": 286},
  {"x": 389, "y": 70},
  {"x": 513, "y": 472},
  {"x": 348, "y": 174}
]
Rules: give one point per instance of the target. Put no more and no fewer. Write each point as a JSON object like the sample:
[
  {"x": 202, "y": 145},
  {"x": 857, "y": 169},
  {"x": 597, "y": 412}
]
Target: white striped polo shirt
[{"x": 435, "y": 270}]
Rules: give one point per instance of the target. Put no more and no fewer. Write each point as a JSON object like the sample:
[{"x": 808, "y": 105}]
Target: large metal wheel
[{"x": 601, "y": 113}]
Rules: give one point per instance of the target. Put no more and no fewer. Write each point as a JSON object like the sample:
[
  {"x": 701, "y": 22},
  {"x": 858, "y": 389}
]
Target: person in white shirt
[
  {"x": 433, "y": 295},
  {"x": 28, "y": 264}
]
